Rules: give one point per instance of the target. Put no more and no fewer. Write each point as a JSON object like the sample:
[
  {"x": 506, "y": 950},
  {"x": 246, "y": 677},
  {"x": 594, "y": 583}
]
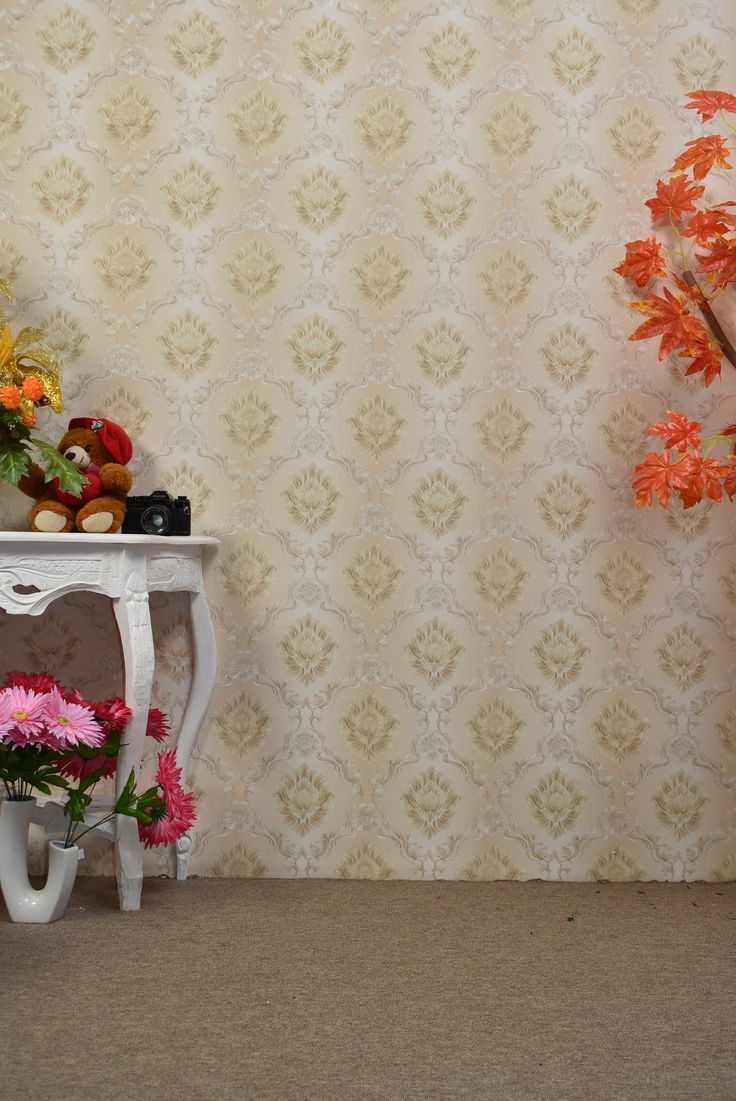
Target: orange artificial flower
[
  {"x": 33, "y": 389},
  {"x": 702, "y": 154},
  {"x": 643, "y": 261},
  {"x": 674, "y": 199},
  {"x": 10, "y": 397}
]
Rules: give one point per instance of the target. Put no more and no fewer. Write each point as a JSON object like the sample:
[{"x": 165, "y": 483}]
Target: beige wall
[{"x": 343, "y": 271}]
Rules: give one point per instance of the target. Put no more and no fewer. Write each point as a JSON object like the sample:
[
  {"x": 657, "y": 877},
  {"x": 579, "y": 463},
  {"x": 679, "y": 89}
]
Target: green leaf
[
  {"x": 14, "y": 461},
  {"x": 71, "y": 480}
]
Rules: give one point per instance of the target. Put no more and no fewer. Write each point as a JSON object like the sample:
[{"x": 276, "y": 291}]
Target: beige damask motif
[
  {"x": 129, "y": 116},
  {"x": 697, "y": 63},
  {"x": 254, "y": 272},
  {"x": 442, "y": 352},
  {"x": 499, "y": 579},
  {"x": 446, "y": 204},
  {"x": 246, "y": 572},
  {"x": 556, "y": 802},
  {"x": 496, "y": 727},
  {"x": 242, "y": 723},
  {"x": 490, "y": 865},
  {"x": 560, "y": 653},
  {"x": 377, "y": 425},
  {"x": 125, "y": 266},
  {"x": 507, "y": 280},
  {"x": 380, "y": 276},
  {"x": 435, "y": 652},
  {"x": 575, "y": 60},
  {"x": 308, "y": 649},
  {"x": 64, "y": 335},
  {"x": 430, "y": 802},
  {"x": 369, "y": 725},
  {"x": 617, "y": 866},
  {"x": 323, "y": 50},
  {"x": 624, "y": 581},
  {"x": 438, "y": 503},
  {"x": 67, "y": 38},
  {"x": 635, "y": 135},
  {"x": 250, "y": 422},
  {"x": 315, "y": 348},
  {"x": 258, "y": 121},
  {"x": 503, "y": 429},
  {"x": 303, "y": 799},
  {"x": 188, "y": 344},
  {"x": 13, "y": 110},
  {"x": 11, "y": 260},
  {"x": 373, "y": 576},
  {"x": 639, "y": 10},
  {"x": 680, "y": 803},
  {"x": 683, "y": 656},
  {"x": 449, "y": 55},
  {"x": 571, "y": 207},
  {"x": 384, "y": 126},
  {"x": 320, "y": 199},
  {"x": 62, "y": 188},
  {"x": 191, "y": 194},
  {"x": 196, "y": 44},
  {"x": 239, "y": 862},
  {"x": 563, "y": 504},
  {"x": 510, "y": 130},
  {"x": 365, "y": 862},
  {"x": 620, "y": 728},
  {"x": 312, "y": 498},
  {"x": 568, "y": 356}
]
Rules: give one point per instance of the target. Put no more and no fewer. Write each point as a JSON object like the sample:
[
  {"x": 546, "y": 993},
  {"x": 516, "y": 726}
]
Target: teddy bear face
[{"x": 83, "y": 447}]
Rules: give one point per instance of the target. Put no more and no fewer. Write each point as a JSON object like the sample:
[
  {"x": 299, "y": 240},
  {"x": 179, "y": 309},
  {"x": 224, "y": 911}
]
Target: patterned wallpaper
[{"x": 343, "y": 271}]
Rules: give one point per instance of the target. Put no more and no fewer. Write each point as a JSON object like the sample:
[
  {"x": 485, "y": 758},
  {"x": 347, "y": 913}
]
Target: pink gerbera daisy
[
  {"x": 173, "y": 814},
  {"x": 22, "y": 715},
  {"x": 71, "y": 723},
  {"x": 157, "y": 726}
]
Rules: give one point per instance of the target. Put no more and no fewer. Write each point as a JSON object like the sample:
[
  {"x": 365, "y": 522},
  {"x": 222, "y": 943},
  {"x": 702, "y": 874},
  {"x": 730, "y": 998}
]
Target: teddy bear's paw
[
  {"x": 98, "y": 523},
  {"x": 46, "y": 520}
]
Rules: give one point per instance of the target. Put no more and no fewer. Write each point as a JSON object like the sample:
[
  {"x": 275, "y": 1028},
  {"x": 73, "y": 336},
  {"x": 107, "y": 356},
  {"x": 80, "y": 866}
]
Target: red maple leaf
[
  {"x": 707, "y": 103},
  {"x": 670, "y": 319},
  {"x": 702, "y": 154},
  {"x": 729, "y": 482},
  {"x": 706, "y": 357},
  {"x": 659, "y": 476},
  {"x": 643, "y": 261},
  {"x": 678, "y": 432},
  {"x": 720, "y": 261},
  {"x": 674, "y": 199},
  {"x": 703, "y": 478},
  {"x": 705, "y": 225}
]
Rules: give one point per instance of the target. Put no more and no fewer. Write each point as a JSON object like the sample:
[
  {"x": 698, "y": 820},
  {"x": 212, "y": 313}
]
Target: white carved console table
[{"x": 37, "y": 568}]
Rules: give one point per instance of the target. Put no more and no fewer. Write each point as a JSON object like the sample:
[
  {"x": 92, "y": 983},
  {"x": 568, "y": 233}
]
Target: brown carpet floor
[{"x": 314, "y": 990}]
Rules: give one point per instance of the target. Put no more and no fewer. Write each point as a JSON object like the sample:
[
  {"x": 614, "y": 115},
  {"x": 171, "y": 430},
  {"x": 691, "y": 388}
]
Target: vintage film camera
[{"x": 157, "y": 514}]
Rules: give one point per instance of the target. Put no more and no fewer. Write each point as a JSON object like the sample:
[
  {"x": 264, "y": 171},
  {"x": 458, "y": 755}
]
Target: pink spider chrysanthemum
[
  {"x": 173, "y": 814},
  {"x": 22, "y": 715},
  {"x": 71, "y": 723},
  {"x": 157, "y": 726}
]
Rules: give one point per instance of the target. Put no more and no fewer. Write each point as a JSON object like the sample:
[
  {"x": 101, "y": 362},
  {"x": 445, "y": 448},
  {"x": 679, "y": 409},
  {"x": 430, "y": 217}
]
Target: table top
[{"x": 78, "y": 538}]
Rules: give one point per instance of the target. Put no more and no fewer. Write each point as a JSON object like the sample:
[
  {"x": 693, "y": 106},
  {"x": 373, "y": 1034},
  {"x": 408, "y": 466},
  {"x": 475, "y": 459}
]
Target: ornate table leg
[
  {"x": 134, "y": 623},
  {"x": 204, "y": 668}
]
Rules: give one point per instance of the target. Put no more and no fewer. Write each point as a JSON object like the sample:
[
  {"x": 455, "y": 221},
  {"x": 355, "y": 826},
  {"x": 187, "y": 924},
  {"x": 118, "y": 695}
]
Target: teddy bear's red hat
[{"x": 111, "y": 435}]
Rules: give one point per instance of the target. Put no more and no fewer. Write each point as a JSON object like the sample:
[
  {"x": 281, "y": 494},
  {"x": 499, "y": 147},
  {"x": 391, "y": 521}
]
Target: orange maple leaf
[
  {"x": 720, "y": 261},
  {"x": 643, "y": 261},
  {"x": 707, "y": 224},
  {"x": 706, "y": 357},
  {"x": 703, "y": 478},
  {"x": 670, "y": 319},
  {"x": 729, "y": 482},
  {"x": 674, "y": 199},
  {"x": 702, "y": 154},
  {"x": 707, "y": 103},
  {"x": 678, "y": 433},
  {"x": 657, "y": 475}
]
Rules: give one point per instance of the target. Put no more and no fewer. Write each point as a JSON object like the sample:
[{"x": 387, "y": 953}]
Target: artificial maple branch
[{"x": 711, "y": 320}]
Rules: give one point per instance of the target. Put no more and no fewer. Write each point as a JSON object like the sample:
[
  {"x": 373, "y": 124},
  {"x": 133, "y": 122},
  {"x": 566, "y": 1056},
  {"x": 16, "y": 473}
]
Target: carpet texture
[{"x": 321, "y": 990}]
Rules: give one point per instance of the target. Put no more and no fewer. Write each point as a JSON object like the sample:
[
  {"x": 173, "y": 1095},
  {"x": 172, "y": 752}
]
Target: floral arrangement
[
  {"x": 693, "y": 273},
  {"x": 52, "y": 738},
  {"x": 28, "y": 379}
]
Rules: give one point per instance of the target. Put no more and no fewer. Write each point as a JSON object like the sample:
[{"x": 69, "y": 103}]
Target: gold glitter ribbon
[{"x": 24, "y": 357}]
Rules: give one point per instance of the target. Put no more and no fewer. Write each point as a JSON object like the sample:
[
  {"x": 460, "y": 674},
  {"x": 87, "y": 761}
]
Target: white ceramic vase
[{"x": 23, "y": 901}]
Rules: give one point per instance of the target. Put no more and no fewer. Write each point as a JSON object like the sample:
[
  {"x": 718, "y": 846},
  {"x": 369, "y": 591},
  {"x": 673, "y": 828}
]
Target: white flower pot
[{"x": 23, "y": 901}]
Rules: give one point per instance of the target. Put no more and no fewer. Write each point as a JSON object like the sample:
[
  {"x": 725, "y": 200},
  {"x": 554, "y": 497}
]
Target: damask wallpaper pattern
[{"x": 343, "y": 271}]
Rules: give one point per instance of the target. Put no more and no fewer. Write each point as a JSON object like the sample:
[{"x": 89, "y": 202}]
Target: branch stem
[{"x": 727, "y": 347}]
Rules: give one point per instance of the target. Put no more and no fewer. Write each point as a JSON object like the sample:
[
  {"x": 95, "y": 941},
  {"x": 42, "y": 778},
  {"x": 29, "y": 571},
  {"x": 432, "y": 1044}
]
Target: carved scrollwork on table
[{"x": 47, "y": 577}]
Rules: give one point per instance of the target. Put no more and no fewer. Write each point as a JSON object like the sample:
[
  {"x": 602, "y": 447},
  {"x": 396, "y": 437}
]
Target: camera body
[{"x": 157, "y": 514}]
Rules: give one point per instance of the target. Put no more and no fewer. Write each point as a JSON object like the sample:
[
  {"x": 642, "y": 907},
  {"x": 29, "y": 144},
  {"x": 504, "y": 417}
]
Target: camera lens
[{"x": 155, "y": 521}]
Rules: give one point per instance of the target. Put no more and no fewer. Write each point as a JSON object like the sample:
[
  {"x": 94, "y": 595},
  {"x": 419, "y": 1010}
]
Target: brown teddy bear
[{"x": 101, "y": 450}]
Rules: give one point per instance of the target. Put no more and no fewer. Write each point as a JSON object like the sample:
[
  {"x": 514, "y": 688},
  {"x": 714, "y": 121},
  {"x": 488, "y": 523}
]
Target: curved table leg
[
  {"x": 134, "y": 623},
  {"x": 204, "y": 669}
]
